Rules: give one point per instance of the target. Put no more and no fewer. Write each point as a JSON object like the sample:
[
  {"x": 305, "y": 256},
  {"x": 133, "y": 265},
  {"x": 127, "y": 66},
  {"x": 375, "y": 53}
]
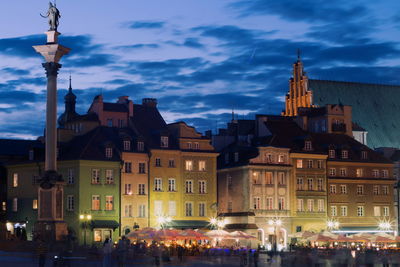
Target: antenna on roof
[{"x": 298, "y": 54}]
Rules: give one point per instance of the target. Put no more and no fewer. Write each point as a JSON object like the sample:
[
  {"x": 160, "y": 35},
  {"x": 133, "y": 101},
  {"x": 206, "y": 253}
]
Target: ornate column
[{"x": 50, "y": 225}]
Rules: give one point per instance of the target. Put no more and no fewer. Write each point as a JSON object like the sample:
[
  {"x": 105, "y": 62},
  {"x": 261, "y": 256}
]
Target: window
[
  {"x": 359, "y": 172},
  {"x": 188, "y": 165},
  {"x": 109, "y": 122},
  {"x": 377, "y": 211},
  {"x": 321, "y": 205},
  {"x": 333, "y": 211},
  {"x": 360, "y": 190},
  {"x": 128, "y": 189},
  {"x": 230, "y": 206},
  {"x": 256, "y": 178},
  {"x": 189, "y": 209},
  {"x": 202, "y": 187},
  {"x": 376, "y": 190},
  {"x": 171, "y": 208},
  {"x": 109, "y": 202},
  {"x": 128, "y": 167},
  {"x": 95, "y": 202},
  {"x": 281, "y": 178},
  {"x": 309, "y": 164},
  {"x": 142, "y": 211},
  {"x": 157, "y": 184},
  {"x": 385, "y": 211},
  {"x": 269, "y": 158},
  {"x": 343, "y": 211},
  {"x": 35, "y": 204},
  {"x": 196, "y": 145},
  {"x": 310, "y": 184},
  {"x": 15, "y": 204},
  {"x": 202, "y": 209},
  {"x": 171, "y": 163},
  {"x": 31, "y": 155},
  {"x": 385, "y": 190},
  {"x": 308, "y": 146},
  {"x": 320, "y": 184},
  {"x": 70, "y": 176},
  {"x": 142, "y": 189},
  {"x": 375, "y": 173},
  {"x": 158, "y": 209},
  {"x": 281, "y": 158},
  {"x": 202, "y": 165},
  {"x": 320, "y": 164},
  {"x": 299, "y": 163},
  {"x": 140, "y": 146},
  {"x": 189, "y": 145},
  {"x": 109, "y": 176},
  {"x": 385, "y": 173},
  {"x": 360, "y": 211},
  {"x": 121, "y": 124},
  {"x": 15, "y": 180},
  {"x": 158, "y": 162},
  {"x": 95, "y": 176},
  {"x": 127, "y": 145},
  {"x": 343, "y": 172},
  {"x": 343, "y": 189},
  {"x": 332, "y": 153},
  {"x": 268, "y": 178},
  {"x": 128, "y": 210},
  {"x": 236, "y": 156},
  {"x": 345, "y": 154},
  {"x": 256, "y": 203},
  {"x": 142, "y": 167},
  {"x": 332, "y": 172},
  {"x": 270, "y": 203},
  {"x": 36, "y": 179},
  {"x": 281, "y": 203},
  {"x": 109, "y": 152},
  {"x": 364, "y": 154},
  {"x": 189, "y": 186},
  {"x": 229, "y": 180},
  {"x": 299, "y": 183},
  {"x": 310, "y": 205},
  {"x": 332, "y": 189},
  {"x": 171, "y": 185},
  {"x": 300, "y": 205},
  {"x": 164, "y": 141},
  {"x": 4, "y": 206}
]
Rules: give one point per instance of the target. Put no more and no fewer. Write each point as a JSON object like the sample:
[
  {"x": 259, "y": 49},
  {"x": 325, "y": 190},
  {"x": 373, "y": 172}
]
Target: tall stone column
[{"x": 51, "y": 225}]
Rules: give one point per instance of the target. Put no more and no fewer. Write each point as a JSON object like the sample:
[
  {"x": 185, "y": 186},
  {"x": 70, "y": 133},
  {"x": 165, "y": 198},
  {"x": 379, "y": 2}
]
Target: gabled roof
[
  {"x": 13, "y": 147},
  {"x": 374, "y": 106}
]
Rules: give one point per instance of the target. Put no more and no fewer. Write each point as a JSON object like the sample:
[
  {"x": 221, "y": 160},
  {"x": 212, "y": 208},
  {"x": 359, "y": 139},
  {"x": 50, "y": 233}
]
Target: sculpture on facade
[{"x": 53, "y": 15}]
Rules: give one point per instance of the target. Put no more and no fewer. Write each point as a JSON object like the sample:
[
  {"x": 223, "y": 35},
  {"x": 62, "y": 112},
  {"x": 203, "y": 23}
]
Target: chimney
[
  {"x": 149, "y": 102},
  {"x": 123, "y": 99}
]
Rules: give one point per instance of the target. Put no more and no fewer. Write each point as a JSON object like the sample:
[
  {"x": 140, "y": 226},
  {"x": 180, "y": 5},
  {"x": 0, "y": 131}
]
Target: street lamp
[
  {"x": 85, "y": 218},
  {"x": 386, "y": 226},
  {"x": 163, "y": 220},
  {"x": 332, "y": 225},
  {"x": 275, "y": 223},
  {"x": 217, "y": 223}
]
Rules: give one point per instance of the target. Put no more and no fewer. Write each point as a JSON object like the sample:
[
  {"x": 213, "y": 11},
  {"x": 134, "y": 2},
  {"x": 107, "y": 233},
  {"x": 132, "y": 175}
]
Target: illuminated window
[
  {"x": 35, "y": 204},
  {"x": 281, "y": 203},
  {"x": 300, "y": 204},
  {"x": 202, "y": 165},
  {"x": 128, "y": 189},
  {"x": 142, "y": 211},
  {"x": 281, "y": 158},
  {"x": 4, "y": 206},
  {"x": 15, "y": 204},
  {"x": 171, "y": 185},
  {"x": 95, "y": 202},
  {"x": 343, "y": 211},
  {"x": 202, "y": 209},
  {"x": 377, "y": 211},
  {"x": 189, "y": 165},
  {"x": 359, "y": 172},
  {"x": 128, "y": 210},
  {"x": 158, "y": 208},
  {"x": 333, "y": 211},
  {"x": 310, "y": 205},
  {"x": 109, "y": 202},
  {"x": 281, "y": 178},
  {"x": 376, "y": 189},
  {"x": 270, "y": 203},
  {"x": 164, "y": 141},
  {"x": 385, "y": 211},
  {"x": 268, "y": 178},
  {"x": 299, "y": 163},
  {"x": 95, "y": 176},
  {"x": 321, "y": 205},
  {"x": 332, "y": 172},
  {"x": 15, "y": 180},
  {"x": 172, "y": 208},
  {"x": 256, "y": 203},
  {"x": 97, "y": 236},
  {"x": 109, "y": 176}
]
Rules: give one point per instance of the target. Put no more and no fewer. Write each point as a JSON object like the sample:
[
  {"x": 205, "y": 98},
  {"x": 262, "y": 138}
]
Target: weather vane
[{"x": 53, "y": 15}]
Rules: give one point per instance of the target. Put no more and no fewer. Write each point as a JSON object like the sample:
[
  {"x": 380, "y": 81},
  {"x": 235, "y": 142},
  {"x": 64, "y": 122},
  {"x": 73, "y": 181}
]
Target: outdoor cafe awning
[
  {"x": 189, "y": 224},
  {"x": 355, "y": 230},
  {"x": 104, "y": 224}
]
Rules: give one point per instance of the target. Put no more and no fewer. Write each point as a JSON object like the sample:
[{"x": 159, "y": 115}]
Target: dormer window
[
  {"x": 345, "y": 154},
  {"x": 308, "y": 146},
  {"x": 164, "y": 141},
  {"x": 109, "y": 152},
  {"x": 127, "y": 145},
  {"x": 140, "y": 146},
  {"x": 332, "y": 153},
  {"x": 364, "y": 155},
  {"x": 196, "y": 146},
  {"x": 236, "y": 156},
  {"x": 31, "y": 154},
  {"x": 189, "y": 145},
  {"x": 281, "y": 158}
]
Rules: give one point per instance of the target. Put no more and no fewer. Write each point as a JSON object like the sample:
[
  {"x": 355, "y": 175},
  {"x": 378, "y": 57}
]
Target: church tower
[
  {"x": 299, "y": 95},
  {"x": 70, "y": 102}
]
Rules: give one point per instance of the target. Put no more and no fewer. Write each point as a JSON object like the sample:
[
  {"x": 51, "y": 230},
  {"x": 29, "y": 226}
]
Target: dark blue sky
[{"x": 200, "y": 59}]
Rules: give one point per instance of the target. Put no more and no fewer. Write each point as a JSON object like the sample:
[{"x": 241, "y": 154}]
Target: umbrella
[
  {"x": 241, "y": 235},
  {"x": 319, "y": 238},
  {"x": 218, "y": 234},
  {"x": 191, "y": 234}
]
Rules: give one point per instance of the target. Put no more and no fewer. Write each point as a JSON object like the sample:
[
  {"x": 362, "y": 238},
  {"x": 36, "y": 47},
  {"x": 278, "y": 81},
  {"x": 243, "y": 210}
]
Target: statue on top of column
[{"x": 53, "y": 14}]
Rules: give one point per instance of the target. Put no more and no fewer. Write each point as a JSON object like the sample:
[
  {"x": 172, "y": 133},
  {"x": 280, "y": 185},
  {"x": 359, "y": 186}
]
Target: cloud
[
  {"x": 90, "y": 60},
  {"x": 146, "y": 24},
  {"x": 16, "y": 71},
  {"x": 139, "y": 46}
]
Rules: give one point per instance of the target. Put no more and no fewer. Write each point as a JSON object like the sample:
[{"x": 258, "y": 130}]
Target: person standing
[
  {"x": 256, "y": 255},
  {"x": 107, "y": 249},
  {"x": 122, "y": 250},
  {"x": 42, "y": 253}
]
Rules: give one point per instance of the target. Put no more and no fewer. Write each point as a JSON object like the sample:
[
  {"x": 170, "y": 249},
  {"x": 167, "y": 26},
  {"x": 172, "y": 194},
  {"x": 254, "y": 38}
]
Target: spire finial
[
  {"x": 70, "y": 83},
  {"x": 298, "y": 54}
]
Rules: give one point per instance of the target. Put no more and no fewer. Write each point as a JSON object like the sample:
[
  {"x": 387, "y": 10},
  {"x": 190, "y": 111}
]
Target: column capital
[{"x": 51, "y": 68}]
